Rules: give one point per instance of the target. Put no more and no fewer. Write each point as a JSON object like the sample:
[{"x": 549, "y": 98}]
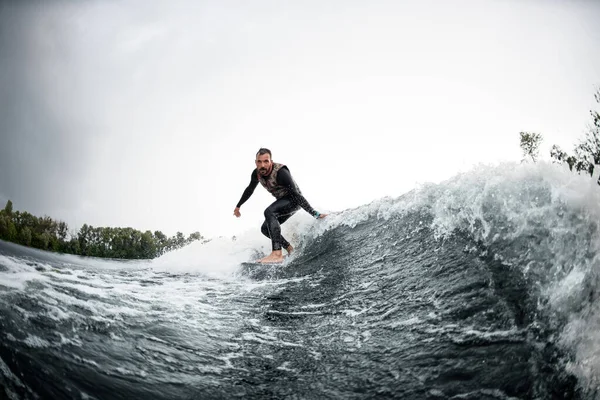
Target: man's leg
[
  {"x": 276, "y": 214},
  {"x": 284, "y": 243},
  {"x": 281, "y": 219}
]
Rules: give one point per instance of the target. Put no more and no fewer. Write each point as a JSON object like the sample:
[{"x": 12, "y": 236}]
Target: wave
[{"x": 482, "y": 286}]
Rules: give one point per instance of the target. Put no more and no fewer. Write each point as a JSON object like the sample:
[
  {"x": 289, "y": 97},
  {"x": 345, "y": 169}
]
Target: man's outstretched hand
[
  {"x": 236, "y": 212},
  {"x": 321, "y": 216}
]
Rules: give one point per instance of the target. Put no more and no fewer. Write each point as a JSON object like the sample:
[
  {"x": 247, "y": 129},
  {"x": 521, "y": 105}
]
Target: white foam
[
  {"x": 19, "y": 273},
  {"x": 36, "y": 341},
  {"x": 516, "y": 190},
  {"x": 221, "y": 257},
  {"x": 216, "y": 258}
]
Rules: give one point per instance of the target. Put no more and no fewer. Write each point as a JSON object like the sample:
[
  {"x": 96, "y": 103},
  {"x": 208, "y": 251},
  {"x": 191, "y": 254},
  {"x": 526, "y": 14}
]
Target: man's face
[{"x": 264, "y": 164}]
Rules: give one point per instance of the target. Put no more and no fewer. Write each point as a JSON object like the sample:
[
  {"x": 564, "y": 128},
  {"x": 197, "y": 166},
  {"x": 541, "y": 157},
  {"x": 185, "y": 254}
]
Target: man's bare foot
[
  {"x": 275, "y": 257},
  {"x": 289, "y": 249}
]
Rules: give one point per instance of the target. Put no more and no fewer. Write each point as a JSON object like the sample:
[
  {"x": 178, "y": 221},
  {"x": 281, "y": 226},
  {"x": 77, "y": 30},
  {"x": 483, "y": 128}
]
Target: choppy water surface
[{"x": 483, "y": 287}]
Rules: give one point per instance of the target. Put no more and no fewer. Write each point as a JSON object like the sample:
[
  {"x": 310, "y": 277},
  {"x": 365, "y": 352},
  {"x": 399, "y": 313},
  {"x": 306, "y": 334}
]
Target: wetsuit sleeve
[
  {"x": 284, "y": 178},
  {"x": 249, "y": 190}
]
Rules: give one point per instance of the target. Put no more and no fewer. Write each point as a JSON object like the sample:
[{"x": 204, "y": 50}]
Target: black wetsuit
[{"x": 281, "y": 210}]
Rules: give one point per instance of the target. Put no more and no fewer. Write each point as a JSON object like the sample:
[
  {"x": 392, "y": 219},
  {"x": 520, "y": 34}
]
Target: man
[{"x": 276, "y": 178}]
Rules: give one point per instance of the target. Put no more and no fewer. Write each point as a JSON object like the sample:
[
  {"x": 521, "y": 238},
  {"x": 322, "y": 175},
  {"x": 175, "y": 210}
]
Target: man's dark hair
[{"x": 263, "y": 151}]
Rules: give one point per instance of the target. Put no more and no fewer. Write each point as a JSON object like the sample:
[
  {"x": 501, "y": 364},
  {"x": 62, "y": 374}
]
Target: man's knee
[
  {"x": 269, "y": 214},
  {"x": 265, "y": 229}
]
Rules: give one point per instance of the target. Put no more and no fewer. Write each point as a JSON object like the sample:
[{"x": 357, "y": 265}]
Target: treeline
[
  {"x": 586, "y": 154},
  {"x": 46, "y": 234}
]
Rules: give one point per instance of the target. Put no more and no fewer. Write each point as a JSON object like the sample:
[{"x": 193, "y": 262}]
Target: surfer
[{"x": 276, "y": 178}]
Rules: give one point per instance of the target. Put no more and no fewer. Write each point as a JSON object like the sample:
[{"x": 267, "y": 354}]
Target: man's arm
[
  {"x": 284, "y": 178},
  {"x": 249, "y": 190}
]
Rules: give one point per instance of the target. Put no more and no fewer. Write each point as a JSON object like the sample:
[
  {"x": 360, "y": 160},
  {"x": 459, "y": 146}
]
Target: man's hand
[
  {"x": 236, "y": 212},
  {"x": 318, "y": 215}
]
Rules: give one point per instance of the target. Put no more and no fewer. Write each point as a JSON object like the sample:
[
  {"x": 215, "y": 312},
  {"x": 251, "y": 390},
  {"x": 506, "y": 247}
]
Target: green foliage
[
  {"x": 47, "y": 234},
  {"x": 195, "y": 236},
  {"x": 147, "y": 245},
  {"x": 530, "y": 144},
  {"x": 12, "y": 232},
  {"x": 25, "y": 236},
  {"x": 8, "y": 208},
  {"x": 586, "y": 153},
  {"x": 4, "y": 220}
]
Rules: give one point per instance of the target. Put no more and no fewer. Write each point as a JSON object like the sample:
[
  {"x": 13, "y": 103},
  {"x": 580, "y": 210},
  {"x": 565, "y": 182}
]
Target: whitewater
[{"x": 484, "y": 286}]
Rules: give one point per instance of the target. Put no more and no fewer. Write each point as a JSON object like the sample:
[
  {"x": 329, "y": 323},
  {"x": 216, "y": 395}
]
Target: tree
[
  {"x": 12, "y": 231},
  {"x": 4, "y": 227},
  {"x": 62, "y": 231},
  {"x": 179, "y": 240},
  {"x": 41, "y": 241},
  {"x": 148, "y": 245},
  {"x": 161, "y": 242},
  {"x": 587, "y": 151},
  {"x": 8, "y": 208},
  {"x": 48, "y": 234},
  {"x": 530, "y": 144},
  {"x": 194, "y": 236},
  {"x": 82, "y": 238},
  {"x": 25, "y": 236}
]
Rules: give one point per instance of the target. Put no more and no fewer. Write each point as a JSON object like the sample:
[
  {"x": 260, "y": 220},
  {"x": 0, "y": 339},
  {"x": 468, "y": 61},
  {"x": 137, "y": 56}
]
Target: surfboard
[
  {"x": 256, "y": 263},
  {"x": 259, "y": 264}
]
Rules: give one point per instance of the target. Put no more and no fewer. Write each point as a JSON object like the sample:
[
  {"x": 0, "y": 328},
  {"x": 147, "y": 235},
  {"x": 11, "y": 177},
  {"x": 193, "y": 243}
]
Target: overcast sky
[{"x": 149, "y": 113}]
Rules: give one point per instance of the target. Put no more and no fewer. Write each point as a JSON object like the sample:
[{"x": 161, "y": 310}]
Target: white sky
[{"x": 173, "y": 99}]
